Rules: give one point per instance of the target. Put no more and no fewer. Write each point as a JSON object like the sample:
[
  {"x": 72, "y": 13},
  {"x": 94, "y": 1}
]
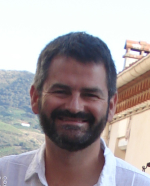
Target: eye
[
  {"x": 61, "y": 92},
  {"x": 90, "y": 95}
]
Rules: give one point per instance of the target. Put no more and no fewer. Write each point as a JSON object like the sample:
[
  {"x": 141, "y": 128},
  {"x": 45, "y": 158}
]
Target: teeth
[{"x": 71, "y": 119}]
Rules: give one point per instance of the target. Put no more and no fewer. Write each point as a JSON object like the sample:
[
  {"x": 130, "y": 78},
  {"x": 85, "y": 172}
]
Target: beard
[{"x": 71, "y": 137}]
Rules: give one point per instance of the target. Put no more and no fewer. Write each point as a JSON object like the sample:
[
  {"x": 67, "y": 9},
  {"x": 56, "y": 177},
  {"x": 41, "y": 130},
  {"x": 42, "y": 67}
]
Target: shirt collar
[
  {"x": 37, "y": 166},
  {"x": 107, "y": 176}
]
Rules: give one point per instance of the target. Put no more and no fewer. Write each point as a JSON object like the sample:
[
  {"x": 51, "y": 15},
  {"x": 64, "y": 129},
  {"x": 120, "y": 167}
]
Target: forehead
[{"x": 69, "y": 71}]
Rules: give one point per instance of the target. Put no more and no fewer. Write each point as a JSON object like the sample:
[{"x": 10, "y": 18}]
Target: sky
[{"x": 26, "y": 26}]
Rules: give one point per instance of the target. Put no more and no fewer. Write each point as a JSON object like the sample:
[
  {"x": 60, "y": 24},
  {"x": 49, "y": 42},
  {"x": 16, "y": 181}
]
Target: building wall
[
  {"x": 138, "y": 148},
  {"x": 129, "y": 139},
  {"x": 128, "y": 135},
  {"x": 117, "y": 134}
]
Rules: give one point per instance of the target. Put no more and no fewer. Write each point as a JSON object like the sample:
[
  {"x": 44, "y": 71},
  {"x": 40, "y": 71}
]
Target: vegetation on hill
[
  {"x": 14, "y": 98},
  {"x": 15, "y": 109},
  {"x": 16, "y": 141}
]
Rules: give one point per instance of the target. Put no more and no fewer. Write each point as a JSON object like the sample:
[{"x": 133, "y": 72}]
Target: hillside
[
  {"x": 15, "y": 109},
  {"x": 16, "y": 141},
  {"x": 14, "y": 98}
]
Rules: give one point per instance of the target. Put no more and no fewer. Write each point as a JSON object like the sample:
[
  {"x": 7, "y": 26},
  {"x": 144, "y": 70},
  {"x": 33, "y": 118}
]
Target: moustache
[{"x": 56, "y": 114}]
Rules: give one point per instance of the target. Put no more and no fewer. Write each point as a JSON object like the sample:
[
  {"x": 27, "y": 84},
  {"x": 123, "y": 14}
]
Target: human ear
[
  {"x": 112, "y": 106},
  {"x": 34, "y": 97}
]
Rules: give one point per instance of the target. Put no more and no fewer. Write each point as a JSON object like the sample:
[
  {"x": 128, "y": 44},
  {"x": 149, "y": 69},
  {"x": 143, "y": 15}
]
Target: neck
[{"x": 73, "y": 168}]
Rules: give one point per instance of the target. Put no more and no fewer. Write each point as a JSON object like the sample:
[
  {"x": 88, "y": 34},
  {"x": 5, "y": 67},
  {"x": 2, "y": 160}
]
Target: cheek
[
  {"x": 98, "y": 110},
  {"x": 50, "y": 103}
]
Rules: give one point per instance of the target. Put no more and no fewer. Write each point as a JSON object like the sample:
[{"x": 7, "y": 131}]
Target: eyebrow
[
  {"x": 93, "y": 90},
  {"x": 61, "y": 86},
  {"x": 89, "y": 90}
]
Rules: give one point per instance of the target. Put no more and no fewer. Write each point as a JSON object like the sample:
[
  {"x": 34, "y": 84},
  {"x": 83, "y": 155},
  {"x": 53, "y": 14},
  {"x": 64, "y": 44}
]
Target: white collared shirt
[{"x": 28, "y": 169}]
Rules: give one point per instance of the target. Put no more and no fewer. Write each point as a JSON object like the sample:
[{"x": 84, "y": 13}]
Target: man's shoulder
[
  {"x": 14, "y": 167},
  {"x": 23, "y": 159},
  {"x": 126, "y": 166},
  {"x": 127, "y": 172}
]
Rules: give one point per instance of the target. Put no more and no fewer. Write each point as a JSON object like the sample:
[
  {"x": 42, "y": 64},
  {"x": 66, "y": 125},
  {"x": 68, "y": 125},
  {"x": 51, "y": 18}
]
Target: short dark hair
[{"x": 81, "y": 46}]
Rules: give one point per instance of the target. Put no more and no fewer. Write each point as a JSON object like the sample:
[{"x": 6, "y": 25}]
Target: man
[{"x": 74, "y": 95}]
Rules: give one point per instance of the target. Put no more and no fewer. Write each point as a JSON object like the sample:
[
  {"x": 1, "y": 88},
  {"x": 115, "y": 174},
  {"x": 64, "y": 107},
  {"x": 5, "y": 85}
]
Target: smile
[
  {"x": 70, "y": 120},
  {"x": 79, "y": 120}
]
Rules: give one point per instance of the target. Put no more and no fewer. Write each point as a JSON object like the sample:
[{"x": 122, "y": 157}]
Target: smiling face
[{"x": 73, "y": 108}]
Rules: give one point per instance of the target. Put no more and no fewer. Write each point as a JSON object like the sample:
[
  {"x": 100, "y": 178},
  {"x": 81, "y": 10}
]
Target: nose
[{"x": 74, "y": 104}]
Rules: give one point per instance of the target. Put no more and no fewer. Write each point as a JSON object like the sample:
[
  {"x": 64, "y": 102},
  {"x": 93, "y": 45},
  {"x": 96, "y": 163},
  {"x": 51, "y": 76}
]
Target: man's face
[{"x": 73, "y": 108}]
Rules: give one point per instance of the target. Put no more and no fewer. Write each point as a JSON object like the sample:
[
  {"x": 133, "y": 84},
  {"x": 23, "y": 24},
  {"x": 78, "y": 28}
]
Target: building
[
  {"x": 25, "y": 124},
  {"x": 128, "y": 135}
]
